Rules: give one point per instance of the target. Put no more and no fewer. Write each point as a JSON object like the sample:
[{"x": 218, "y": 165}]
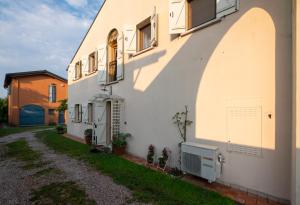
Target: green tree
[
  {"x": 63, "y": 105},
  {"x": 3, "y": 109}
]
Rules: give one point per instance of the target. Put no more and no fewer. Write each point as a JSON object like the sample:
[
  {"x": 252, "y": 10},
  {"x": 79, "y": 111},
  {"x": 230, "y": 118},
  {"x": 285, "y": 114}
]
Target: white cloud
[
  {"x": 42, "y": 35},
  {"x": 77, "y": 3}
]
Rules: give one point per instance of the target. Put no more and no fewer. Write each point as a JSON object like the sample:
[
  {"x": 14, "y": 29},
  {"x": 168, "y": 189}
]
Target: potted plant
[
  {"x": 88, "y": 136},
  {"x": 150, "y": 156},
  {"x": 162, "y": 160},
  {"x": 60, "y": 129},
  {"x": 119, "y": 143}
]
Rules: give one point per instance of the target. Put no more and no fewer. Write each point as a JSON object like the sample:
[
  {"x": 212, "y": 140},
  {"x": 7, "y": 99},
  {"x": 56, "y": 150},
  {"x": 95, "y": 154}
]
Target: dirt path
[{"x": 16, "y": 183}]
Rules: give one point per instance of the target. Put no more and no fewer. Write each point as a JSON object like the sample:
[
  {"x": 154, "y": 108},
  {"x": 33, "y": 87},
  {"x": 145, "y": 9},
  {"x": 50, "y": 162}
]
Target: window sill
[
  {"x": 91, "y": 73},
  {"x": 76, "y": 122},
  {"x": 76, "y": 79},
  {"x": 143, "y": 51},
  {"x": 112, "y": 83},
  {"x": 212, "y": 22}
]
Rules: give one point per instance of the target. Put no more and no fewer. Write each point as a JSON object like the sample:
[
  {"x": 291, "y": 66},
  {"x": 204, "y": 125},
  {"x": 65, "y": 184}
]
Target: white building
[{"x": 229, "y": 61}]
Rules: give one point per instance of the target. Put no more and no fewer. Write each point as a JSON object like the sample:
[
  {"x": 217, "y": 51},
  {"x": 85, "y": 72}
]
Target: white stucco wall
[{"x": 243, "y": 61}]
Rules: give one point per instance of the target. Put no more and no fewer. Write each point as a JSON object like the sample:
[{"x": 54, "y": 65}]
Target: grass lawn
[
  {"x": 20, "y": 150},
  {"x": 13, "y": 130},
  {"x": 147, "y": 185},
  {"x": 61, "y": 193}
]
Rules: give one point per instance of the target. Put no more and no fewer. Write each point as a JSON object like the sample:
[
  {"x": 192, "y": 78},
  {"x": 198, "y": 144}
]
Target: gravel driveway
[{"x": 16, "y": 184}]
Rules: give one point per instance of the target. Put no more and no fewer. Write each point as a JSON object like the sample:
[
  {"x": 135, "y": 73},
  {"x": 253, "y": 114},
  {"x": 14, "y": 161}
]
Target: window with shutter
[
  {"x": 144, "y": 34},
  {"x": 78, "y": 113},
  {"x": 90, "y": 113},
  {"x": 52, "y": 93},
  {"x": 112, "y": 56},
  {"x": 92, "y": 62},
  {"x": 78, "y": 70},
  {"x": 188, "y": 14}
]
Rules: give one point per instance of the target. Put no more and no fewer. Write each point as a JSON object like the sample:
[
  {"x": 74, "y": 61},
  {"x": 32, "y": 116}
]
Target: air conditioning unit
[{"x": 200, "y": 160}]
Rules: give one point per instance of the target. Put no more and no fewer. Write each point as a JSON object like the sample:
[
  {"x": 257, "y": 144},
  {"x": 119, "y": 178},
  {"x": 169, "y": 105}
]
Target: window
[
  {"x": 52, "y": 93},
  {"x": 51, "y": 111},
  {"x": 92, "y": 62},
  {"x": 78, "y": 70},
  {"x": 90, "y": 113},
  {"x": 186, "y": 16},
  {"x": 200, "y": 12},
  {"x": 112, "y": 52},
  {"x": 144, "y": 34},
  {"x": 78, "y": 113}
]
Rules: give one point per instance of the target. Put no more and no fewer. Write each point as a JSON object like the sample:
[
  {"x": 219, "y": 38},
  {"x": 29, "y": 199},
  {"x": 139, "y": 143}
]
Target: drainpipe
[{"x": 295, "y": 175}]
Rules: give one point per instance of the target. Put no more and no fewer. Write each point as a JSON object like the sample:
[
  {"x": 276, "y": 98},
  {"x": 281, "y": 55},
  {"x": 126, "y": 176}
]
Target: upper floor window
[
  {"x": 92, "y": 62},
  {"x": 200, "y": 12},
  {"x": 112, "y": 55},
  {"x": 144, "y": 34},
  {"x": 185, "y": 15},
  {"x": 52, "y": 93},
  {"x": 78, "y": 70}
]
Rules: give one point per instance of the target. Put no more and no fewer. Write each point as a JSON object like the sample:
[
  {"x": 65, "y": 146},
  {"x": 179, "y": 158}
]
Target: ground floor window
[
  {"x": 90, "y": 113},
  {"x": 51, "y": 112},
  {"x": 78, "y": 113}
]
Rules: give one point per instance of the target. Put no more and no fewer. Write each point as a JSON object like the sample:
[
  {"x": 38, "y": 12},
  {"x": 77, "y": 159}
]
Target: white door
[{"x": 99, "y": 132}]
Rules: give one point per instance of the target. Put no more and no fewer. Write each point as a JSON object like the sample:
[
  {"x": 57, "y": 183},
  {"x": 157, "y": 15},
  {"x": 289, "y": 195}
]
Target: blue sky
[{"x": 42, "y": 34}]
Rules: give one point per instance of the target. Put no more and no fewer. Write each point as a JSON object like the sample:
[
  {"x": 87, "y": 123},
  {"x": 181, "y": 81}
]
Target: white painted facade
[{"x": 234, "y": 75}]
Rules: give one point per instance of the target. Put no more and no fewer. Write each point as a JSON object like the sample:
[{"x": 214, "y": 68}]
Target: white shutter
[
  {"x": 177, "y": 20},
  {"x": 130, "y": 39},
  {"x": 226, "y": 7},
  {"x": 154, "y": 28},
  {"x": 80, "y": 113},
  {"x": 120, "y": 58},
  {"x": 85, "y": 114},
  {"x": 85, "y": 65},
  {"x": 102, "y": 57},
  {"x": 71, "y": 115},
  {"x": 71, "y": 72}
]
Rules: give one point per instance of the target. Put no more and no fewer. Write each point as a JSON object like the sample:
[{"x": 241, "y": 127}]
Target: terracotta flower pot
[{"x": 119, "y": 150}]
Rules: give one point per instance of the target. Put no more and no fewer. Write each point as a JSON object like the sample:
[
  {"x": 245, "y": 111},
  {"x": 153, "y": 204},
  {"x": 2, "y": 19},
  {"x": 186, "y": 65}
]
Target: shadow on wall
[{"x": 217, "y": 72}]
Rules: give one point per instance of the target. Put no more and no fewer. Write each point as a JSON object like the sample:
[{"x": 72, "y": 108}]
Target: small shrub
[
  {"x": 150, "y": 156},
  {"x": 52, "y": 124},
  {"x": 120, "y": 139},
  {"x": 162, "y": 160},
  {"x": 60, "y": 129}
]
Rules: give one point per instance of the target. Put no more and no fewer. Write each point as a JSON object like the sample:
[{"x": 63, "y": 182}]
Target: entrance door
[
  {"x": 99, "y": 128},
  {"x": 61, "y": 117}
]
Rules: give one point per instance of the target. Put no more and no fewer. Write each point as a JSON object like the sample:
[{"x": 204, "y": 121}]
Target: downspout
[{"x": 295, "y": 155}]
